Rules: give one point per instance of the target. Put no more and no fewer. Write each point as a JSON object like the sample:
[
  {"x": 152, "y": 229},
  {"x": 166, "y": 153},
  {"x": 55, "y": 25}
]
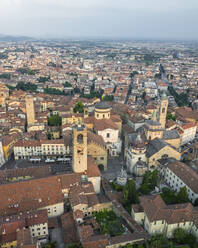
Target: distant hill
[{"x": 7, "y": 38}]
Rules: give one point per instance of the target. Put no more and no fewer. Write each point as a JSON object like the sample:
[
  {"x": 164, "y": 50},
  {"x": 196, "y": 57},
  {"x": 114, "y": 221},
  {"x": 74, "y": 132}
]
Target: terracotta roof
[
  {"x": 92, "y": 137},
  {"x": 155, "y": 209},
  {"x": 103, "y": 124},
  {"x": 188, "y": 125},
  {"x": 6, "y": 140},
  {"x": 24, "y": 239},
  {"x": 69, "y": 228},
  {"x": 29, "y": 195},
  {"x": 92, "y": 168},
  {"x": 26, "y": 143},
  {"x": 186, "y": 174},
  {"x": 57, "y": 141}
]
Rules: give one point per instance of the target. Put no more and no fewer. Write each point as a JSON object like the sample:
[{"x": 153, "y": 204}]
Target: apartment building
[{"x": 27, "y": 149}]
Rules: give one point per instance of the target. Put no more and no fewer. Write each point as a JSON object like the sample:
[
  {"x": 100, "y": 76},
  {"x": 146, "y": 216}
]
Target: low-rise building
[
  {"x": 178, "y": 175},
  {"x": 157, "y": 217},
  {"x": 187, "y": 132}
]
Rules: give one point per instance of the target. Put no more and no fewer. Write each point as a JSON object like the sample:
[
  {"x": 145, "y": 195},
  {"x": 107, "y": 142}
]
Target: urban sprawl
[{"x": 98, "y": 144}]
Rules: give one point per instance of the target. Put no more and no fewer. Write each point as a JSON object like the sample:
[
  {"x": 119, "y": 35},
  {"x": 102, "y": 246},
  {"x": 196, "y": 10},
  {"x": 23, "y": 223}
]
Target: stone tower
[
  {"x": 163, "y": 110},
  {"x": 79, "y": 148},
  {"x": 29, "y": 101}
]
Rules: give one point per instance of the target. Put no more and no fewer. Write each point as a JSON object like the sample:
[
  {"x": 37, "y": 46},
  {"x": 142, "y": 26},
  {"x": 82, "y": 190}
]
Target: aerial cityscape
[{"x": 98, "y": 137}]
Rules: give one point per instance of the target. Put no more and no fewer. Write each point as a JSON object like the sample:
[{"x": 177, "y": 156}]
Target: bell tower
[
  {"x": 29, "y": 102},
  {"x": 163, "y": 110},
  {"x": 79, "y": 148}
]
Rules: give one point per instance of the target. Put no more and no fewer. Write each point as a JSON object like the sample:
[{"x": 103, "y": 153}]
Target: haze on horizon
[{"x": 170, "y": 19}]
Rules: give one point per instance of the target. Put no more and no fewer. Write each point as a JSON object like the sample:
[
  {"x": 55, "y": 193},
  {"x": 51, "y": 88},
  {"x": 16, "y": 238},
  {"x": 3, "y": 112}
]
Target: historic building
[
  {"x": 29, "y": 102},
  {"x": 136, "y": 156},
  {"x": 106, "y": 125},
  {"x": 163, "y": 110},
  {"x": 177, "y": 175},
  {"x": 4, "y": 94},
  {"x": 79, "y": 149},
  {"x": 157, "y": 217}
]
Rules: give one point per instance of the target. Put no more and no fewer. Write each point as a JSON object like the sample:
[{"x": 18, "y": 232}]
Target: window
[
  {"x": 101, "y": 158},
  {"x": 108, "y": 135},
  {"x": 80, "y": 138},
  {"x": 39, "y": 233},
  {"x": 163, "y": 110},
  {"x": 38, "y": 229}
]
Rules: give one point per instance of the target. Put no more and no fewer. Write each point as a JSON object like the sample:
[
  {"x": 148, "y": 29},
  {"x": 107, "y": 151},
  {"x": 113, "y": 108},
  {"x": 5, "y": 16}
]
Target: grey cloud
[{"x": 118, "y": 18}]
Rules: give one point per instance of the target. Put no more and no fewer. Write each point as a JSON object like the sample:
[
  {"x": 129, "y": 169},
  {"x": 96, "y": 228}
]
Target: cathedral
[{"x": 150, "y": 142}]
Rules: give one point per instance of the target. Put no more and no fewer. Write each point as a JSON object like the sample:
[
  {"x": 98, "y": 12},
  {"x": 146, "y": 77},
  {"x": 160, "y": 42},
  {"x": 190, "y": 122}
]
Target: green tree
[
  {"x": 67, "y": 84},
  {"x": 26, "y": 86},
  {"x": 160, "y": 241},
  {"x": 182, "y": 196},
  {"x": 170, "y": 117},
  {"x": 168, "y": 196},
  {"x": 158, "y": 75},
  {"x": 108, "y": 98},
  {"x": 190, "y": 239},
  {"x": 43, "y": 79},
  {"x": 50, "y": 245},
  {"x": 76, "y": 90},
  {"x": 79, "y": 107},
  {"x": 143, "y": 95},
  {"x": 5, "y": 76},
  {"x": 55, "y": 120},
  {"x": 179, "y": 235},
  {"x": 153, "y": 179},
  {"x": 130, "y": 193},
  {"x": 52, "y": 91}
]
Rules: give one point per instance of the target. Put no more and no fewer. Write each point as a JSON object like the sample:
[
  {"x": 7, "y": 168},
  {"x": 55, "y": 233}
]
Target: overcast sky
[{"x": 164, "y": 19}]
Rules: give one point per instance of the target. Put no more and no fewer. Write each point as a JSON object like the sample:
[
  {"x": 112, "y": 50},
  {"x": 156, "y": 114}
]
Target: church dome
[
  {"x": 102, "y": 105},
  {"x": 138, "y": 143}
]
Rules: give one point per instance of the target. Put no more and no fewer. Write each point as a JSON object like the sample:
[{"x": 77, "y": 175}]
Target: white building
[
  {"x": 2, "y": 159},
  {"x": 187, "y": 132},
  {"x": 179, "y": 175},
  {"x": 27, "y": 149},
  {"x": 151, "y": 89},
  {"x": 110, "y": 133},
  {"x": 157, "y": 217},
  {"x": 135, "y": 154}
]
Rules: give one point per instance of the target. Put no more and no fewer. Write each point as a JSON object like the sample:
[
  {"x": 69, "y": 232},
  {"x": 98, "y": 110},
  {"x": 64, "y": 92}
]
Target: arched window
[
  {"x": 80, "y": 138},
  {"x": 163, "y": 110}
]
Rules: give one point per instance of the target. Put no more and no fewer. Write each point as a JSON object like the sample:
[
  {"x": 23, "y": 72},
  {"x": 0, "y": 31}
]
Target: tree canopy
[
  {"x": 79, "y": 107},
  {"x": 55, "y": 120},
  {"x": 26, "y": 86},
  {"x": 170, "y": 197},
  {"x": 67, "y": 84},
  {"x": 149, "y": 182}
]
